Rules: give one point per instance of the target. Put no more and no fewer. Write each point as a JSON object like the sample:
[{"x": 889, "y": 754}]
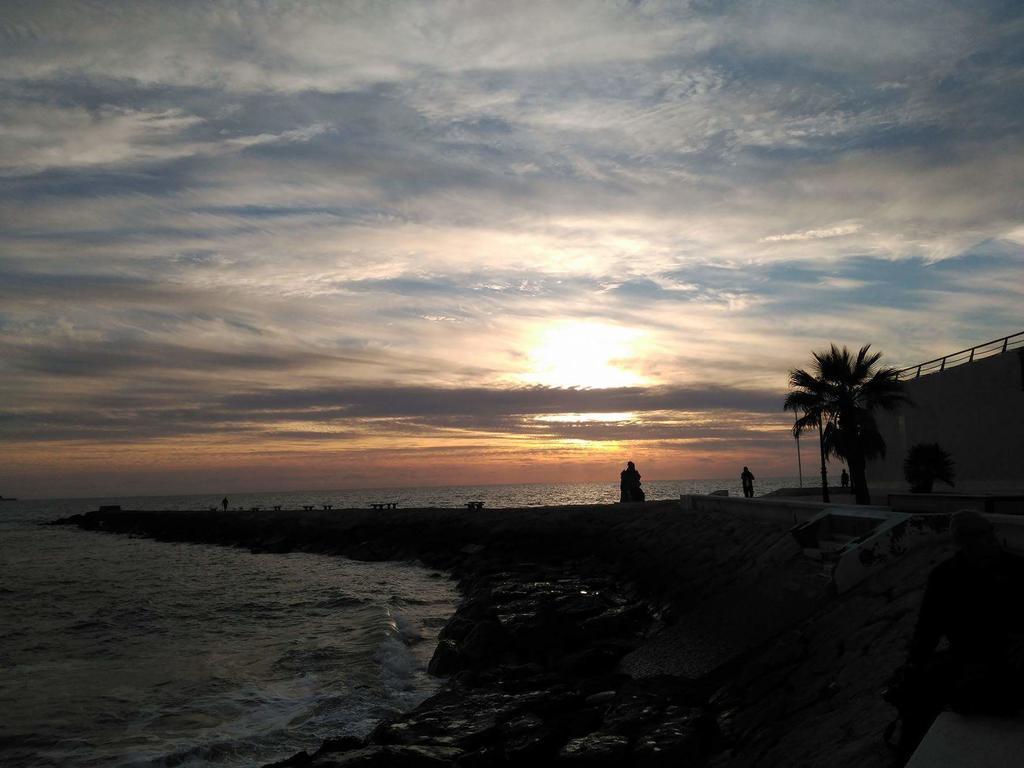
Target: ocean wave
[
  {"x": 341, "y": 601},
  {"x": 308, "y": 660},
  {"x": 398, "y": 666}
]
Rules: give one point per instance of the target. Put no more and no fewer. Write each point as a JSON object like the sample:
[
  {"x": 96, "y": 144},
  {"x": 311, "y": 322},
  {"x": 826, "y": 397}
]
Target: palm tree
[
  {"x": 840, "y": 397},
  {"x": 808, "y": 398}
]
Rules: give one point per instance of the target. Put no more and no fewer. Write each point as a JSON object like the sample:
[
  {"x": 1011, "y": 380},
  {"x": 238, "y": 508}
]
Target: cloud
[
  {"x": 377, "y": 212},
  {"x": 814, "y": 234},
  {"x": 39, "y": 137},
  {"x": 350, "y": 414}
]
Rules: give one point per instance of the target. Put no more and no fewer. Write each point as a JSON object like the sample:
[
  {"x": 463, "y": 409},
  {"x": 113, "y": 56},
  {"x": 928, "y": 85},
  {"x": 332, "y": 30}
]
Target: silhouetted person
[
  {"x": 224, "y": 503},
  {"x": 844, "y": 479},
  {"x": 747, "y": 478},
  {"x": 629, "y": 484},
  {"x": 974, "y": 600}
]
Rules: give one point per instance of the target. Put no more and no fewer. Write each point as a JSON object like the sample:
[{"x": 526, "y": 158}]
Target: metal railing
[{"x": 988, "y": 349}]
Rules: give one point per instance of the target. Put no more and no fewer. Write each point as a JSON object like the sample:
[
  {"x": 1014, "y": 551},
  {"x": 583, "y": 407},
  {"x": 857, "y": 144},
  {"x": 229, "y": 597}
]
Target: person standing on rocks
[
  {"x": 629, "y": 484},
  {"x": 224, "y": 503},
  {"x": 747, "y": 478}
]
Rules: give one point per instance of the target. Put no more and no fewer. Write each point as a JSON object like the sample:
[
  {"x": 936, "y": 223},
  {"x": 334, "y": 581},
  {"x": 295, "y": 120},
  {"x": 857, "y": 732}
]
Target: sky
[{"x": 278, "y": 246}]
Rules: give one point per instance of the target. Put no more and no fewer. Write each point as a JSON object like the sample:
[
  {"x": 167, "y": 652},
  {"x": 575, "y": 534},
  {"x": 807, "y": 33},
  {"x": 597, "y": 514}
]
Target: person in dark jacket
[
  {"x": 974, "y": 600},
  {"x": 747, "y": 479},
  {"x": 629, "y": 484}
]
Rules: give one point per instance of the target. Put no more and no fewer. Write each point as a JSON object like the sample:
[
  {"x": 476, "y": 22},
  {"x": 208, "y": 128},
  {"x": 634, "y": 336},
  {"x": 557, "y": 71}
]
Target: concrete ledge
[
  {"x": 977, "y": 741},
  {"x": 763, "y": 508},
  {"x": 1009, "y": 531},
  {"x": 946, "y": 503}
]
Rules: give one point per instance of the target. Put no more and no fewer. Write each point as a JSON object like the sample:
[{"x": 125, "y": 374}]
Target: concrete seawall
[
  {"x": 768, "y": 509},
  {"x": 975, "y": 411}
]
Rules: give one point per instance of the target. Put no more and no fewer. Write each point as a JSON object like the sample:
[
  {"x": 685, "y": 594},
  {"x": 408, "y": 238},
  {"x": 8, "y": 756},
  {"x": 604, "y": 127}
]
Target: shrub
[{"x": 926, "y": 463}]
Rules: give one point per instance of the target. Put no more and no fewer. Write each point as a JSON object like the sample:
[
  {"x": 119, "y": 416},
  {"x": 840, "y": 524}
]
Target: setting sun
[{"x": 584, "y": 354}]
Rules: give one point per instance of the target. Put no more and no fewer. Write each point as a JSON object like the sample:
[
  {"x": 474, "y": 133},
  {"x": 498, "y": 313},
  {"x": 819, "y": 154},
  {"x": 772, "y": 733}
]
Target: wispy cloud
[
  {"x": 212, "y": 203},
  {"x": 814, "y": 234}
]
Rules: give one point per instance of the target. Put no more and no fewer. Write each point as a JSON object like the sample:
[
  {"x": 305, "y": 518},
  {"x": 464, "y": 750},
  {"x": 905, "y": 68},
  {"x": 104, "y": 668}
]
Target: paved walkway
[{"x": 978, "y": 741}]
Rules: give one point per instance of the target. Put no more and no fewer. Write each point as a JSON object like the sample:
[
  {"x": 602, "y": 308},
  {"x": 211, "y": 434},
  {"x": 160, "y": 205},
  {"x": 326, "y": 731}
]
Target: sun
[{"x": 583, "y": 354}]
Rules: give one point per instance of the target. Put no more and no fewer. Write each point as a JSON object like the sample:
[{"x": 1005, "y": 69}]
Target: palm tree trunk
[
  {"x": 858, "y": 478},
  {"x": 824, "y": 471}
]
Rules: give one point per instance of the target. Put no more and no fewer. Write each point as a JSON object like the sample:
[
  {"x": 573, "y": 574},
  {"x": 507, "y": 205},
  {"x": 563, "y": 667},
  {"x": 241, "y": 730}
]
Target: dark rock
[
  {"x": 592, "y": 661},
  {"x": 598, "y": 699},
  {"x": 632, "y": 713},
  {"x": 341, "y": 744},
  {"x": 595, "y": 749},
  {"x": 619, "y": 620},
  {"x": 580, "y": 722},
  {"x": 487, "y": 643},
  {"x": 528, "y": 738},
  {"x": 677, "y": 740},
  {"x": 392, "y": 757},
  {"x": 299, "y": 758},
  {"x": 467, "y": 719},
  {"x": 446, "y": 659}
]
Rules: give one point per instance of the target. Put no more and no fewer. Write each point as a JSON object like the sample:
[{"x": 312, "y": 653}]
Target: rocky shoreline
[{"x": 566, "y": 647}]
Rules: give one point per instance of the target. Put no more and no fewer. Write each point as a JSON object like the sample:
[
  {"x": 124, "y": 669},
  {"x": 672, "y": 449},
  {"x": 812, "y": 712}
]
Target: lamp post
[
  {"x": 799, "y": 461},
  {"x": 824, "y": 471}
]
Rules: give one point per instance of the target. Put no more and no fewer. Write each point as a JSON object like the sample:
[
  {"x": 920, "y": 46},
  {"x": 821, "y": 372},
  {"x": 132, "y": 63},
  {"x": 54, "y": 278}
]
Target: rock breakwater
[{"x": 571, "y": 615}]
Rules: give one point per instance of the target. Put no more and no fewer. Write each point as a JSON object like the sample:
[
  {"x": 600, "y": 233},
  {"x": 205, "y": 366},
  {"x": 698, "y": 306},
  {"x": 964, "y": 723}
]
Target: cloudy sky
[{"x": 249, "y": 245}]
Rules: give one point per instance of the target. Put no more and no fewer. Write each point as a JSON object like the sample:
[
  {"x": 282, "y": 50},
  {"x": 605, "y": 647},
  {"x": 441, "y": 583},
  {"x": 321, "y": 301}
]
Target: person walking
[
  {"x": 844, "y": 479},
  {"x": 747, "y": 478},
  {"x": 224, "y": 503}
]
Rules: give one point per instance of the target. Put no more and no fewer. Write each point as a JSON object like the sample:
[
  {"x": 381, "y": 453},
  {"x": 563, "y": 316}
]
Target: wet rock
[
  {"x": 467, "y": 719},
  {"x": 600, "y": 698},
  {"x": 298, "y": 759},
  {"x": 678, "y": 739},
  {"x": 342, "y": 744},
  {"x": 446, "y": 659},
  {"x": 593, "y": 661},
  {"x": 392, "y": 757},
  {"x": 595, "y": 749},
  {"x": 618, "y": 620},
  {"x": 529, "y": 738},
  {"x": 632, "y": 713}
]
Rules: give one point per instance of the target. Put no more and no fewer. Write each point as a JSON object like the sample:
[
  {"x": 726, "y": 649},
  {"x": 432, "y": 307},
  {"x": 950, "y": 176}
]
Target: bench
[
  {"x": 307, "y": 507},
  {"x": 277, "y": 507},
  {"x": 328, "y": 506},
  {"x": 474, "y": 505},
  {"x": 384, "y": 505},
  {"x": 254, "y": 509}
]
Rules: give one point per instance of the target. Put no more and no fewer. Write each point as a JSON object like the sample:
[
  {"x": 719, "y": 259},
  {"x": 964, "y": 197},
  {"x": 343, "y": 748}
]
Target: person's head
[
  {"x": 974, "y": 536},
  {"x": 745, "y": 469},
  {"x": 630, "y": 465}
]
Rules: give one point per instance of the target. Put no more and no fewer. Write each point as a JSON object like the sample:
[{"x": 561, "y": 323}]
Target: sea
[{"x": 126, "y": 652}]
